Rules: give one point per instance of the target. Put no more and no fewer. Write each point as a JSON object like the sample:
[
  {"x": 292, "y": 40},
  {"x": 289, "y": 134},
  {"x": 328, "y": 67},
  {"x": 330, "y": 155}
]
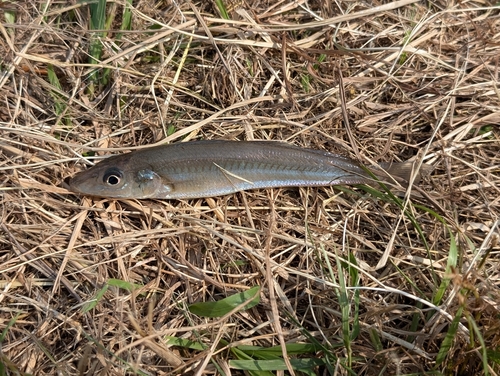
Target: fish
[{"x": 211, "y": 168}]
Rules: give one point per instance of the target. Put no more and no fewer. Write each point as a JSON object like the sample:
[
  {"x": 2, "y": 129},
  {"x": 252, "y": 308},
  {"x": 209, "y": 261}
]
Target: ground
[{"x": 377, "y": 279}]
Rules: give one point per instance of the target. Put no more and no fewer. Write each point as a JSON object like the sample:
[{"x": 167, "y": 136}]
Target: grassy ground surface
[{"x": 310, "y": 281}]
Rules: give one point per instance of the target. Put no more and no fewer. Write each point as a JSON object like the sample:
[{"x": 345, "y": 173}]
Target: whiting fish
[{"x": 216, "y": 167}]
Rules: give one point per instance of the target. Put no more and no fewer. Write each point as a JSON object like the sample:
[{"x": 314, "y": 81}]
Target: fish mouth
[
  {"x": 72, "y": 184},
  {"x": 67, "y": 183},
  {"x": 79, "y": 181}
]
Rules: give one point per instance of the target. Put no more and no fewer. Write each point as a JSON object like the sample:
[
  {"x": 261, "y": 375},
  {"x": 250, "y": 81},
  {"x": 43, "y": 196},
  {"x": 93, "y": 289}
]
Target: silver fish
[{"x": 216, "y": 167}]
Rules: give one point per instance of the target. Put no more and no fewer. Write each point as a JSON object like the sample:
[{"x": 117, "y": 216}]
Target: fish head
[{"x": 113, "y": 181}]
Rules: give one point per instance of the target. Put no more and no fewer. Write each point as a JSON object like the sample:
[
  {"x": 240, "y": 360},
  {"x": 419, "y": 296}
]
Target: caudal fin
[{"x": 405, "y": 170}]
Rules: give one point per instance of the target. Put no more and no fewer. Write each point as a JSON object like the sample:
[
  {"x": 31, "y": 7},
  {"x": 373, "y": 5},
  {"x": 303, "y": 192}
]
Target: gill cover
[{"x": 147, "y": 183}]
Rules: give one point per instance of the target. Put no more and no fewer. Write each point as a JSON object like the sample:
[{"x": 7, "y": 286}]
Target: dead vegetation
[{"x": 353, "y": 280}]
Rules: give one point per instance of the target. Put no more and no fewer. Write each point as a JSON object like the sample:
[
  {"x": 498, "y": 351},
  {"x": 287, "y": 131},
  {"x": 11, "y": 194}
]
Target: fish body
[{"x": 217, "y": 167}]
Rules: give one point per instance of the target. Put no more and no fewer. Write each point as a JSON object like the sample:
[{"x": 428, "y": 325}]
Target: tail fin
[{"x": 405, "y": 170}]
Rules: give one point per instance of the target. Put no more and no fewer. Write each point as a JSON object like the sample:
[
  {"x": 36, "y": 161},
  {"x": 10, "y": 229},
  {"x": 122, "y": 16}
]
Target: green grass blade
[
  {"x": 127, "y": 16},
  {"x": 345, "y": 306},
  {"x": 305, "y": 81},
  {"x": 10, "y": 17},
  {"x": 11, "y": 322},
  {"x": 480, "y": 339},
  {"x": 59, "y": 102},
  {"x": 129, "y": 286},
  {"x": 276, "y": 351},
  {"x": 126, "y": 19},
  {"x": 90, "y": 305},
  {"x": 375, "y": 340},
  {"x": 390, "y": 197},
  {"x": 185, "y": 343},
  {"x": 328, "y": 351},
  {"x": 241, "y": 356},
  {"x": 222, "y": 9},
  {"x": 451, "y": 263},
  {"x": 354, "y": 281},
  {"x": 97, "y": 22},
  {"x": 415, "y": 322},
  {"x": 276, "y": 365},
  {"x": 226, "y": 305},
  {"x": 449, "y": 338},
  {"x": 494, "y": 356}
]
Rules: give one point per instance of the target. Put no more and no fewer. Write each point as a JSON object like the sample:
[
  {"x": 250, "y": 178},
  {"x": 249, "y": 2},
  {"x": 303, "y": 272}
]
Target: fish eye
[{"x": 112, "y": 177}]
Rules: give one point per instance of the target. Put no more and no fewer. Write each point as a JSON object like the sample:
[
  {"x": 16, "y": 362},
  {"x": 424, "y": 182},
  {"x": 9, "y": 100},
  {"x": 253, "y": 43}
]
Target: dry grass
[{"x": 374, "y": 284}]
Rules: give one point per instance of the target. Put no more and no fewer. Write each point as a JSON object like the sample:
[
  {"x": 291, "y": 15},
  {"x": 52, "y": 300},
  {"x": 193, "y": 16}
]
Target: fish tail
[{"x": 405, "y": 170}]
